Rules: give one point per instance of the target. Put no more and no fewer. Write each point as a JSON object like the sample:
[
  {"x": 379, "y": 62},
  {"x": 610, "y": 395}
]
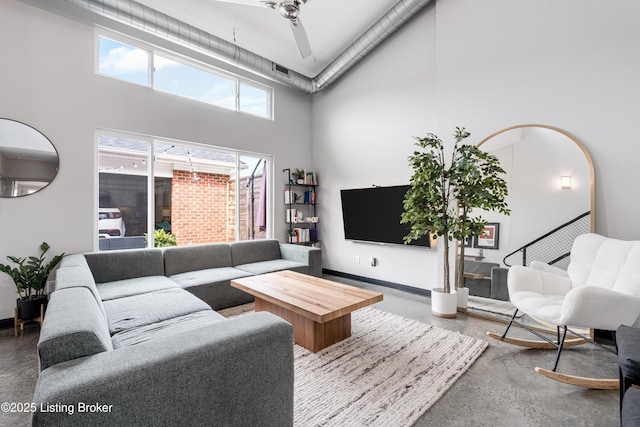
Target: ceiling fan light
[{"x": 289, "y": 9}]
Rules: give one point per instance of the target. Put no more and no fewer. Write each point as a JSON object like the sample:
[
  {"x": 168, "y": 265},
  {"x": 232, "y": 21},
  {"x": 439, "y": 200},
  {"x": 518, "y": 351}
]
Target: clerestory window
[{"x": 136, "y": 62}]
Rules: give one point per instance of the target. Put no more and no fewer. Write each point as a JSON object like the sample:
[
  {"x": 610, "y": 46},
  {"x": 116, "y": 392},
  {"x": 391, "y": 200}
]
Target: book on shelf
[
  {"x": 310, "y": 197},
  {"x": 311, "y": 178},
  {"x": 291, "y": 196},
  {"x": 294, "y": 215},
  {"x": 300, "y": 235}
]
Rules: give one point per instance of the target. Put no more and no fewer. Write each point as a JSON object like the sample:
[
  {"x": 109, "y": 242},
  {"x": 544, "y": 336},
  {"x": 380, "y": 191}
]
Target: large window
[
  {"x": 137, "y": 62},
  {"x": 155, "y": 192}
]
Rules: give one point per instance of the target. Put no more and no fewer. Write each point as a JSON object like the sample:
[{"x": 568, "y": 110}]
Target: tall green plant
[
  {"x": 443, "y": 191},
  {"x": 480, "y": 186},
  {"x": 30, "y": 275}
]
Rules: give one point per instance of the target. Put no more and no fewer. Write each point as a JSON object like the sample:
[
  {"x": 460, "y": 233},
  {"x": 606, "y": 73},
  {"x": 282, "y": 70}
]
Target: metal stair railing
[{"x": 555, "y": 245}]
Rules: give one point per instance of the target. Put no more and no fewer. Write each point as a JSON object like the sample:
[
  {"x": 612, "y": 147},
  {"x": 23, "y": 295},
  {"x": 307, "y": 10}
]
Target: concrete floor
[{"x": 500, "y": 389}]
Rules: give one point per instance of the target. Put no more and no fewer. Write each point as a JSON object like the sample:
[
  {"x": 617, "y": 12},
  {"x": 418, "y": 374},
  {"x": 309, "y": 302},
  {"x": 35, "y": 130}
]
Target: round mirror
[
  {"x": 28, "y": 160},
  {"x": 551, "y": 195}
]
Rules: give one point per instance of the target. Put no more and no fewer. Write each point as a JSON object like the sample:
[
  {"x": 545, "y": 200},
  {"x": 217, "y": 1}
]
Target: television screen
[{"x": 373, "y": 215}]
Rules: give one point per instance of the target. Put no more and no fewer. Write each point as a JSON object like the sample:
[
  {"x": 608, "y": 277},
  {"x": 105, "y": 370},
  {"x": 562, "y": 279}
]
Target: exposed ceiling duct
[{"x": 134, "y": 14}]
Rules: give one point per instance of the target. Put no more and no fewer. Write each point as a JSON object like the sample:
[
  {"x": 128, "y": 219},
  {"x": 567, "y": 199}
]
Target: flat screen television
[{"x": 373, "y": 215}]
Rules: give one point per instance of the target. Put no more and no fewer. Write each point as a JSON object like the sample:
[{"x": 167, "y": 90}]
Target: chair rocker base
[
  {"x": 586, "y": 382},
  {"x": 538, "y": 344},
  {"x": 562, "y": 342}
]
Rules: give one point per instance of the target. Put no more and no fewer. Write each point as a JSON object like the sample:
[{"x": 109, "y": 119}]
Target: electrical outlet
[{"x": 357, "y": 259}]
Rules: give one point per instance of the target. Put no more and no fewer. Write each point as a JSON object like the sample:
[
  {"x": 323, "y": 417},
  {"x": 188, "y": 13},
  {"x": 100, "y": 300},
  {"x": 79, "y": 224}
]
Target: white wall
[
  {"x": 497, "y": 63},
  {"x": 363, "y": 128},
  {"x": 562, "y": 63},
  {"x": 48, "y": 82}
]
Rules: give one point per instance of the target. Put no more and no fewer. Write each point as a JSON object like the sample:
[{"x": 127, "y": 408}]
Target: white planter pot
[
  {"x": 442, "y": 304},
  {"x": 463, "y": 299}
]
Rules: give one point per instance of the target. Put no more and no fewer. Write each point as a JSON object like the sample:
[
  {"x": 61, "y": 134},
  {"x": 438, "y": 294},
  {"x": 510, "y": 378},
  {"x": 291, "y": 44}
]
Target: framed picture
[{"x": 489, "y": 238}]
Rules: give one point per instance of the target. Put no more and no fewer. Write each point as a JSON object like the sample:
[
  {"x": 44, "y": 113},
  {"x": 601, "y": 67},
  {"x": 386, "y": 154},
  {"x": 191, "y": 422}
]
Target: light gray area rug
[
  {"x": 388, "y": 373},
  {"x": 493, "y": 306}
]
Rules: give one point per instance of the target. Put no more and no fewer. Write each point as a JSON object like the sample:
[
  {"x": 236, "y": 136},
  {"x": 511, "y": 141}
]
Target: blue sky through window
[
  {"x": 180, "y": 79},
  {"x": 132, "y": 64},
  {"x": 254, "y": 100},
  {"x": 123, "y": 61}
]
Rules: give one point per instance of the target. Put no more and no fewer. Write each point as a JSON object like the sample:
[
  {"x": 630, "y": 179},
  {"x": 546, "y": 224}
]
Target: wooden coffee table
[{"x": 319, "y": 309}]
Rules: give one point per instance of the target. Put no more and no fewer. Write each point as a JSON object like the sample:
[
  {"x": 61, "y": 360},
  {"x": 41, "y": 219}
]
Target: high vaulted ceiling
[{"x": 331, "y": 26}]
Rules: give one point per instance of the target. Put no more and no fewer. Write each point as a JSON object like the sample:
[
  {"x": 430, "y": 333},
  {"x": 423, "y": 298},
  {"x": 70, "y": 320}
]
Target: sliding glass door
[{"x": 155, "y": 192}]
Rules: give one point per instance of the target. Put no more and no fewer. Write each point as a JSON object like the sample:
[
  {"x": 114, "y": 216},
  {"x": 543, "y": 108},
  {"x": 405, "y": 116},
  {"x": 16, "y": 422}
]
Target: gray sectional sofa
[{"x": 130, "y": 338}]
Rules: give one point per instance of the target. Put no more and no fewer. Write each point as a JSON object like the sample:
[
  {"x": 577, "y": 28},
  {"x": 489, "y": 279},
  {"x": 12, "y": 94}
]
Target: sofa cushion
[
  {"x": 630, "y": 414},
  {"x": 73, "y": 327},
  {"x": 208, "y": 276},
  {"x": 130, "y": 287},
  {"x": 176, "y": 325},
  {"x": 213, "y": 287},
  {"x": 273, "y": 265},
  {"x": 143, "y": 309},
  {"x": 75, "y": 273},
  {"x": 125, "y": 264},
  {"x": 249, "y": 251},
  {"x": 181, "y": 259}
]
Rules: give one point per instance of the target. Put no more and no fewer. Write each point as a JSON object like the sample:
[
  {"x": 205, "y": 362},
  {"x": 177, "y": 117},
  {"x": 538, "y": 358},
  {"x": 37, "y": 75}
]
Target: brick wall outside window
[
  {"x": 203, "y": 211},
  {"x": 199, "y": 209}
]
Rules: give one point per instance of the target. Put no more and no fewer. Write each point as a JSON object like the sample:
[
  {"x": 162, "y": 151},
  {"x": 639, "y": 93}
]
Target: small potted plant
[
  {"x": 162, "y": 238},
  {"x": 298, "y": 176},
  {"x": 30, "y": 277},
  {"x": 441, "y": 196}
]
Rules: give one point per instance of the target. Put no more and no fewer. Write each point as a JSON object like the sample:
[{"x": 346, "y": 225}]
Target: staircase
[{"x": 553, "y": 246}]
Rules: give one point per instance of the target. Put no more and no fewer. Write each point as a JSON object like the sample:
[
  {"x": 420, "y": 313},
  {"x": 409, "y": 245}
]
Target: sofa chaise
[{"x": 130, "y": 338}]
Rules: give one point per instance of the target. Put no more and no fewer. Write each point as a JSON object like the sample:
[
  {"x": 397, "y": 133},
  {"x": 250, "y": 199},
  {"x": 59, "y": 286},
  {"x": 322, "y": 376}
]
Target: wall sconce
[
  {"x": 433, "y": 240},
  {"x": 565, "y": 182}
]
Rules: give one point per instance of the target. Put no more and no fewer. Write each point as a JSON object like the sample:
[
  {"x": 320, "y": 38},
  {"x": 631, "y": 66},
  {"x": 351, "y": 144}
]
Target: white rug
[
  {"x": 493, "y": 306},
  {"x": 388, "y": 373}
]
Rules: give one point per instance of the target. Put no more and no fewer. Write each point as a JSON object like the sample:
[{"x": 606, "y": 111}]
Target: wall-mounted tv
[{"x": 373, "y": 215}]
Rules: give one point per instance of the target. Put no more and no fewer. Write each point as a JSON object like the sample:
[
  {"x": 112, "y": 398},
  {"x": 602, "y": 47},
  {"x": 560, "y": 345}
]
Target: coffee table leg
[{"x": 307, "y": 333}]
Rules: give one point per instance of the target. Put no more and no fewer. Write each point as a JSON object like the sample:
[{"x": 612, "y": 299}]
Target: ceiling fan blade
[
  {"x": 301, "y": 37},
  {"x": 244, "y": 2}
]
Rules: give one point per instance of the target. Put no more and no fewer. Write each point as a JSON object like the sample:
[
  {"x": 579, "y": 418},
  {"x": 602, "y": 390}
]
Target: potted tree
[
  {"x": 440, "y": 198},
  {"x": 479, "y": 187},
  {"x": 30, "y": 277}
]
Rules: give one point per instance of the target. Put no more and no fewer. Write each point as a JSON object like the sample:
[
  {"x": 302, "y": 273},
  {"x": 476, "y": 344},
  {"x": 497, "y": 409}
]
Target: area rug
[
  {"x": 491, "y": 305},
  {"x": 388, "y": 373}
]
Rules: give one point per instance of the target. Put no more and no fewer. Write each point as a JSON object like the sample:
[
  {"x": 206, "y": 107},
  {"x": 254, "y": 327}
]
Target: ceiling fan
[{"x": 290, "y": 10}]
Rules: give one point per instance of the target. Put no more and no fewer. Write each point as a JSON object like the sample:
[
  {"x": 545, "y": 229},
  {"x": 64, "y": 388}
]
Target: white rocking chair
[{"x": 599, "y": 290}]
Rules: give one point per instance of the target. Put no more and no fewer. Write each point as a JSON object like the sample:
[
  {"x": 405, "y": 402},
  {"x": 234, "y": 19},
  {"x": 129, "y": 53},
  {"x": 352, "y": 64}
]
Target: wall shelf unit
[{"x": 300, "y": 214}]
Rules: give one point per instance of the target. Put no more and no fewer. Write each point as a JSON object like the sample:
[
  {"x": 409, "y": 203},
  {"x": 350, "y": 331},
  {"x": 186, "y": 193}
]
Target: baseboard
[
  {"x": 398, "y": 286},
  {"x": 6, "y": 323},
  {"x": 604, "y": 337}
]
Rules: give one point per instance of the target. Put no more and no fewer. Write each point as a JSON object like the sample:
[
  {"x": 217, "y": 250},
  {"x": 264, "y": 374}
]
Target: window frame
[
  {"x": 151, "y": 175},
  {"x": 126, "y": 41},
  {"x": 153, "y": 50}
]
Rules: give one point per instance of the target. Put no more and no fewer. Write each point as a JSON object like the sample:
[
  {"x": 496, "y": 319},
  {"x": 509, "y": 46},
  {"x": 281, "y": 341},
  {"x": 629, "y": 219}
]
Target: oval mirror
[
  {"x": 28, "y": 160},
  {"x": 550, "y": 178}
]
